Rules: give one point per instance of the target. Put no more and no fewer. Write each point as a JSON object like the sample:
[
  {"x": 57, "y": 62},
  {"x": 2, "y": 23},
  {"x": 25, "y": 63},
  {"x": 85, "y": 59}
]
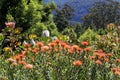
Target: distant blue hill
[{"x": 80, "y": 6}]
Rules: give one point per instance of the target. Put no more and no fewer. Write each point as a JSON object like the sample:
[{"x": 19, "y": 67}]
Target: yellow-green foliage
[
  {"x": 88, "y": 35},
  {"x": 33, "y": 16}
]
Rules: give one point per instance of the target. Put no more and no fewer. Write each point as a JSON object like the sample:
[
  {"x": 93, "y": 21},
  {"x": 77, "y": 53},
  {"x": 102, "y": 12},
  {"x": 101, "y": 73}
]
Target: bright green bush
[{"x": 88, "y": 35}]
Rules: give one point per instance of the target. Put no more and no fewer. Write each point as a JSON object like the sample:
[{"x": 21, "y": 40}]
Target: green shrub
[{"x": 88, "y": 35}]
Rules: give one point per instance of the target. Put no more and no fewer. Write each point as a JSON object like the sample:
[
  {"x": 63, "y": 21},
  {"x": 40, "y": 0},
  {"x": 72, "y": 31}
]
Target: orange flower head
[
  {"x": 79, "y": 49},
  {"x": 45, "y": 48},
  {"x": 27, "y": 45},
  {"x": 34, "y": 51},
  {"x": 37, "y": 49},
  {"x": 110, "y": 54},
  {"x": 75, "y": 47},
  {"x": 57, "y": 41},
  {"x": 98, "y": 62},
  {"x": 117, "y": 60},
  {"x": 96, "y": 53},
  {"x": 85, "y": 43},
  {"x": 102, "y": 55},
  {"x": 70, "y": 51},
  {"x": 87, "y": 49},
  {"x": 17, "y": 58},
  {"x": 52, "y": 44},
  {"x": 40, "y": 44},
  {"x": 63, "y": 44},
  {"x": 28, "y": 66},
  {"x": 114, "y": 69},
  {"x": 92, "y": 57},
  {"x": 77, "y": 63},
  {"x": 22, "y": 62},
  {"x": 99, "y": 51},
  {"x": 117, "y": 72},
  {"x": 10, "y": 60},
  {"x": 24, "y": 53},
  {"x": 106, "y": 59},
  {"x": 67, "y": 47}
]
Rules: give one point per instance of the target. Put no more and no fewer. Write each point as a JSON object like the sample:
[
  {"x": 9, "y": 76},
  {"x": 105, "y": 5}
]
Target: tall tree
[
  {"x": 62, "y": 16},
  {"x": 32, "y": 15},
  {"x": 103, "y": 13}
]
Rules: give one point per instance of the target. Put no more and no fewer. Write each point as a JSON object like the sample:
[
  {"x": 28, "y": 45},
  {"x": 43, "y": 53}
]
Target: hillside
[{"x": 80, "y": 6}]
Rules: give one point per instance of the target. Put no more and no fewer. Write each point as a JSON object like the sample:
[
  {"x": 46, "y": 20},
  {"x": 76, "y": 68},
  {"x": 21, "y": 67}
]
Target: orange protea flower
[
  {"x": 27, "y": 45},
  {"x": 10, "y": 60},
  {"x": 85, "y": 43},
  {"x": 18, "y": 58},
  {"x": 63, "y": 44},
  {"x": 22, "y": 55},
  {"x": 28, "y": 66},
  {"x": 40, "y": 44},
  {"x": 99, "y": 51},
  {"x": 110, "y": 54},
  {"x": 96, "y": 53},
  {"x": 45, "y": 47},
  {"x": 70, "y": 51},
  {"x": 79, "y": 49},
  {"x": 24, "y": 52},
  {"x": 42, "y": 50},
  {"x": 114, "y": 69},
  {"x": 57, "y": 41},
  {"x": 22, "y": 62},
  {"x": 87, "y": 49},
  {"x": 75, "y": 47},
  {"x": 98, "y": 62},
  {"x": 52, "y": 44},
  {"x": 77, "y": 63},
  {"x": 67, "y": 47},
  {"x": 102, "y": 55},
  {"x": 117, "y": 72},
  {"x": 92, "y": 57},
  {"x": 106, "y": 59},
  {"x": 117, "y": 60},
  {"x": 26, "y": 49},
  {"x": 35, "y": 50}
]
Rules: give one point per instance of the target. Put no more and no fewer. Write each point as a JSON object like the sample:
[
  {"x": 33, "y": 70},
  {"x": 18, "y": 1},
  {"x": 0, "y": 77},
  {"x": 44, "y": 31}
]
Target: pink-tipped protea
[{"x": 10, "y": 24}]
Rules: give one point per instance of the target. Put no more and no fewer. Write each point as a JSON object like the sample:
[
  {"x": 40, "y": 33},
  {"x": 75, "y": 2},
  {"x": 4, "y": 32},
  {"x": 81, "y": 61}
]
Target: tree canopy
[
  {"x": 32, "y": 15},
  {"x": 62, "y": 16},
  {"x": 103, "y": 13}
]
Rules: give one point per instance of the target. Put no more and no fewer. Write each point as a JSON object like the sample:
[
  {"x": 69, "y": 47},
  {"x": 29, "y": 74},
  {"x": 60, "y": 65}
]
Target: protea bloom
[
  {"x": 10, "y": 24},
  {"x": 28, "y": 66},
  {"x": 77, "y": 63}
]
